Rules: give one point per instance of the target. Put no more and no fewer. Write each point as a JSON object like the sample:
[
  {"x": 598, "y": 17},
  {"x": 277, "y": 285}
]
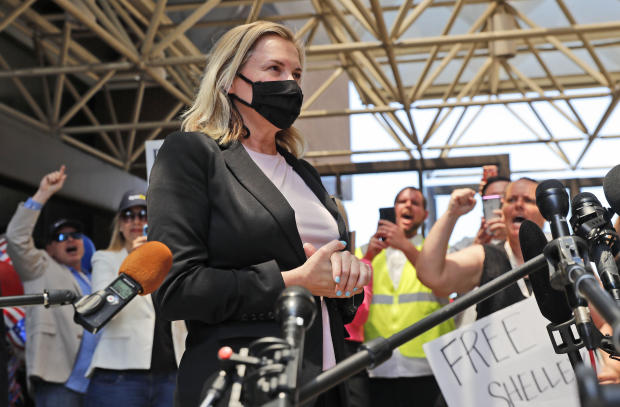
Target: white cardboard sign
[
  {"x": 503, "y": 360},
  {"x": 151, "y": 147}
]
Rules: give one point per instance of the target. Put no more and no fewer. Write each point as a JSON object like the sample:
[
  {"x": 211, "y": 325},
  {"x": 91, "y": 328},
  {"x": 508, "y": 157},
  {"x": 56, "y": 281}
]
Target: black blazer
[{"x": 231, "y": 233}]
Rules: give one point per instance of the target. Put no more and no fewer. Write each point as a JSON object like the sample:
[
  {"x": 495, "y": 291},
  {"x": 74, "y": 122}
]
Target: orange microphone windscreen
[{"x": 148, "y": 265}]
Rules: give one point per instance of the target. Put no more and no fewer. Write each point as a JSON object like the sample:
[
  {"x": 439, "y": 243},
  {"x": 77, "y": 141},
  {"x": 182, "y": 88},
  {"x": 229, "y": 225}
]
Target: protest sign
[
  {"x": 151, "y": 147},
  {"x": 505, "y": 359}
]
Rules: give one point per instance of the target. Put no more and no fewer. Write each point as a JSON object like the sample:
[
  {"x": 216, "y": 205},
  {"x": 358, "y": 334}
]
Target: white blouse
[{"x": 314, "y": 222}]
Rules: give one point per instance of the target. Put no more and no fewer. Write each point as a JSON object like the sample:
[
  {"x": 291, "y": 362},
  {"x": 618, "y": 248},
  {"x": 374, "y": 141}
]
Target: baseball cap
[
  {"x": 132, "y": 198},
  {"x": 61, "y": 223}
]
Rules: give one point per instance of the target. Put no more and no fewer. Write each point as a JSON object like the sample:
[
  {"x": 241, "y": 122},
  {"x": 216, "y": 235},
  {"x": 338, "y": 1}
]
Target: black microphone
[
  {"x": 611, "y": 187},
  {"x": 296, "y": 310},
  {"x": 566, "y": 253},
  {"x": 592, "y": 222},
  {"x": 552, "y": 303},
  {"x": 552, "y": 201},
  {"x": 47, "y": 299}
]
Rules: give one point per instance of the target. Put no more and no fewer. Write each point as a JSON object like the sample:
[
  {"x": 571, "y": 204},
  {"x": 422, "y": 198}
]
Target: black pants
[{"x": 404, "y": 391}]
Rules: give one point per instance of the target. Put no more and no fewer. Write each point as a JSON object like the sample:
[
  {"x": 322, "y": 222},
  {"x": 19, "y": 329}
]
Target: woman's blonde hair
[
  {"x": 117, "y": 241},
  {"x": 213, "y": 112}
]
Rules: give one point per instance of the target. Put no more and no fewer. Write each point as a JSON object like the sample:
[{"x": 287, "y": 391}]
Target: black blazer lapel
[{"x": 253, "y": 179}]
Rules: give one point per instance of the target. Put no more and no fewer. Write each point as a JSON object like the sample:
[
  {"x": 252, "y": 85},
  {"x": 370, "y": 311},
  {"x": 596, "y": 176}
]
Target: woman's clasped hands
[{"x": 329, "y": 271}]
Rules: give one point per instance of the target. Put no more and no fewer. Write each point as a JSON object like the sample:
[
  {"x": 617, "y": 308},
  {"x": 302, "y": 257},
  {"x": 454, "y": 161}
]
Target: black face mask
[{"x": 277, "y": 101}]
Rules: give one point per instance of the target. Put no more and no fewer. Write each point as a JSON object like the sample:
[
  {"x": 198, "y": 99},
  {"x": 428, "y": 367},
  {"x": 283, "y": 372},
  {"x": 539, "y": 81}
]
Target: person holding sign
[
  {"x": 244, "y": 217},
  {"x": 399, "y": 299},
  {"x": 473, "y": 266}
]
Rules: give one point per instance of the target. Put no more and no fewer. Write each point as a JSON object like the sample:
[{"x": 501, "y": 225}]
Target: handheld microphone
[
  {"x": 142, "y": 272},
  {"x": 611, "y": 187},
  {"x": 592, "y": 222}
]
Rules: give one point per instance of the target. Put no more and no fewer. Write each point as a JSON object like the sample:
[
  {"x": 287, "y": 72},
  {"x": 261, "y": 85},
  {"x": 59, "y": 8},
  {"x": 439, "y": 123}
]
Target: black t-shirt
[{"x": 496, "y": 263}]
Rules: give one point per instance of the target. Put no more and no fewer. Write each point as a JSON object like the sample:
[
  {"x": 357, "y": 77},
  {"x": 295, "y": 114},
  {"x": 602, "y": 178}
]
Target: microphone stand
[
  {"x": 47, "y": 299},
  {"x": 379, "y": 350},
  {"x": 568, "y": 269}
]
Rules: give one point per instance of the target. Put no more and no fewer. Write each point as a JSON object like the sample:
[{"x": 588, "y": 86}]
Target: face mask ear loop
[
  {"x": 245, "y": 128},
  {"x": 233, "y": 96},
  {"x": 245, "y": 78}
]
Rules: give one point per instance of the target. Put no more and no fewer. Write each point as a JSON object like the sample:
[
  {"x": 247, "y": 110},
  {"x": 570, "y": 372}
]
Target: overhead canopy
[{"x": 106, "y": 75}]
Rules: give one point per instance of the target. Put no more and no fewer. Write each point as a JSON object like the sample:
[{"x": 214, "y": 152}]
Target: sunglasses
[
  {"x": 61, "y": 237},
  {"x": 129, "y": 215}
]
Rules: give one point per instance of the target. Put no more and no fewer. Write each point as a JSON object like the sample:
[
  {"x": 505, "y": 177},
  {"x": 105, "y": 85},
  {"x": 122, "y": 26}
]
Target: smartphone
[
  {"x": 145, "y": 230},
  {"x": 387, "y": 214},
  {"x": 489, "y": 204}
]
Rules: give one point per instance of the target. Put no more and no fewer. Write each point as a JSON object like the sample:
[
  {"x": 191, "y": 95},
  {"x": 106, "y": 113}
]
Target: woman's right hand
[
  {"x": 137, "y": 242},
  {"x": 329, "y": 271}
]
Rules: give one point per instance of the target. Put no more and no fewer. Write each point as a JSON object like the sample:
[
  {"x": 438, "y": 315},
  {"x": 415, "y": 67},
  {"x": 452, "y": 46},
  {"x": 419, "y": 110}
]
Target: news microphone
[
  {"x": 565, "y": 250},
  {"x": 611, "y": 187},
  {"x": 592, "y": 222},
  {"x": 566, "y": 254},
  {"x": 296, "y": 310},
  {"x": 142, "y": 272},
  {"x": 552, "y": 201},
  {"x": 47, "y": 299},
  {"x": 552, "y": 303}
]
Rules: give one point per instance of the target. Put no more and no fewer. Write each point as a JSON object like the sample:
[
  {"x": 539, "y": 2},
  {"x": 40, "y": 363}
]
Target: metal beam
[
  {"x": 465, "y": 38},
  {"x": 502, "y": 161},
  {"x": 504, "y": 101}
]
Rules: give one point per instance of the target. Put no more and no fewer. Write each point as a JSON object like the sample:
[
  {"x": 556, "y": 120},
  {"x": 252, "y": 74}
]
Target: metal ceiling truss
[{"x": 94, "y": 66}]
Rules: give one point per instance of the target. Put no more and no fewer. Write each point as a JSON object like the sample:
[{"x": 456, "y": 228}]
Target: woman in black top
[{"x": 238, "y": 235}]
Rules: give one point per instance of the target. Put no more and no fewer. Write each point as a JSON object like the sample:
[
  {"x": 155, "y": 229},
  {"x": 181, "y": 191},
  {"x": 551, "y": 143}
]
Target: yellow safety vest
[{"x": 393, "y": 310}]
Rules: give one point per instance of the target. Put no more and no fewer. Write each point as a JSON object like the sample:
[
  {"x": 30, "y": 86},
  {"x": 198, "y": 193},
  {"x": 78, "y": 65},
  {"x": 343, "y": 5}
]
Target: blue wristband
[{"x": 32, "y": 204}]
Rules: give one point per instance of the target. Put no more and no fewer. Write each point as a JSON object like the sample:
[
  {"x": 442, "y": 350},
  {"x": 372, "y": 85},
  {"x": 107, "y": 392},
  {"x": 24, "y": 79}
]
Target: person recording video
[
  {"x": 244, "y": 217},
  {"x": 399, "y": 299}
]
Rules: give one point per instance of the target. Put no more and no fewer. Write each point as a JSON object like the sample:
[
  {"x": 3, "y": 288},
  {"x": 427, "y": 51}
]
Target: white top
[
  {"x": 314, "y": 222},
  {"x": 399, "y": 365}
]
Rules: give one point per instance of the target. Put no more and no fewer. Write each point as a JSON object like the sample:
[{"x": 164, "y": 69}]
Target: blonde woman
[
  {"x": 136, "y": 359},
  {"x": 244, "y": 217}
]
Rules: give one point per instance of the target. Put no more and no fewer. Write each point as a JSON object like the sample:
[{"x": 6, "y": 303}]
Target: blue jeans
[
  {"x": 130, "y": 389},
  {"x": 47, "y": 394}
]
